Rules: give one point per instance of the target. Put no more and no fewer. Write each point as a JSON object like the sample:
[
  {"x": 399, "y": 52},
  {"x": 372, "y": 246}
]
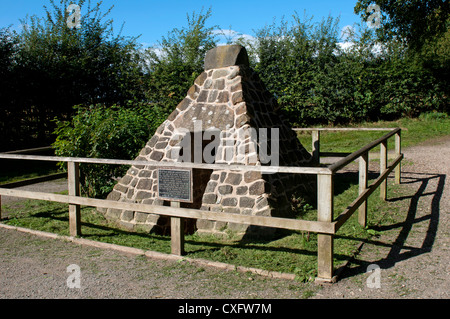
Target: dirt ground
[{"x": 411, "y": 257}]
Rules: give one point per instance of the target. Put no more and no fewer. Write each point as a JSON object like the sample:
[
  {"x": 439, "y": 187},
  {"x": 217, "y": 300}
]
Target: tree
[
  {"x": 57, "y": 67},
  {"x": 8, "y": 53},
  {"x": 177, "y": 60},
  {"x": 424, "y": 26},
  {"x": 415, "y": 21}
]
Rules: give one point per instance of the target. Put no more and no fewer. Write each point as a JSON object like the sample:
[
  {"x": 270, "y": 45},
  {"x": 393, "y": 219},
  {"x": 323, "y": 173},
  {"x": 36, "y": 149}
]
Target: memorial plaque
[{"x": 175, "y": 184}]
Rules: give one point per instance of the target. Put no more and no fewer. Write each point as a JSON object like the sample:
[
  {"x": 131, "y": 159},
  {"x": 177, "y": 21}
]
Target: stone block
[
  {"x": 242, "y": 190},
  {"x": 140, "y": 218},
  {"x": 205, "y": 224},
  {"x": 219, "y": 73},
  {"x": 142, "y": 195},
  {"x": 234, "y": 179},
  {"x": 145, "y": 173},
  {"x": 130, "y": 193},
  {"x": 127, "y": 215},
  {"x": 225, "y": 189},
  {"x": 213, "y": 94},
  {"x": 252, "y": 176},
  {"x": 257, "y": 188},
  {"x": 192, "y": 93},
  {"x": 209, "y": 198},
  {"x": 156, "y": 156},
  {"x": 148, "y": 201},
  {"x": 145, "y": 184},
  {"x": 201, "y": 79},
  {"x": 184, "y": 104},
  {"x": 210, "y": 188},
  {"x": 261, "y": 202},
  {"x": 237, "y": 97},
  {"x": 220, "y": 226},
  {"x": 223, "y": 56},
  {"x": 203, "y": 96},
  {"x": 114, "y": 195},
  {"x": 161, "y": 145},
  {"x": 219, "y": 84},
  {"x": 246, "y": 202},
  {"x": 152, "y": 219},
  {"x": 127, "y": 225},
  {"x": 120, "y": 188},
  {"x": 230, "y": 201},
  {"x": 239, "y": 228},
  {"x": 112, "y": 213},
  {"x": 223, "y": 97}
]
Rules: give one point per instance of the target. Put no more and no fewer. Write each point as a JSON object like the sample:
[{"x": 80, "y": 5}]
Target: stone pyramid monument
[{"x": 230, "y": 102}]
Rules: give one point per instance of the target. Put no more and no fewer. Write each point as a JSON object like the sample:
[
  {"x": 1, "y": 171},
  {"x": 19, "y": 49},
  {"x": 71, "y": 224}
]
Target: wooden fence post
[
  {"x": 383, "y": 167},
  {"x": 73, "y": 175},
  {"x": 316, "y": 146},
  {"x": 0, "y": 207},
  {"x": 177, "y": 232},
  {"x": 363, "y": 178},
  {"x": 398, "y": 151},
  {"x": 325, "y": 241}
]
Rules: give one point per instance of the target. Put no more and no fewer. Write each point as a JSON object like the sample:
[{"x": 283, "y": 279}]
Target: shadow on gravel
[{"x": 399, "y": 251}]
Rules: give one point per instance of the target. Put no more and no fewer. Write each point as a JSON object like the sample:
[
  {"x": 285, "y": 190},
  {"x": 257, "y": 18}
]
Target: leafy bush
[{"x": 105, "y": 132}]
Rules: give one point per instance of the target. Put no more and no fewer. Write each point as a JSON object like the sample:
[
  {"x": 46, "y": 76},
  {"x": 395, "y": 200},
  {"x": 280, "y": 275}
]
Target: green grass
[
  {"x": 414, "y": 131},
  {"x": 17, "y": 170}
]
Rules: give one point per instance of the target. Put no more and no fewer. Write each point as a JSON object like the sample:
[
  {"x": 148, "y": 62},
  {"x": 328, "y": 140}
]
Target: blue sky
[{"x": 154, "y": 19}]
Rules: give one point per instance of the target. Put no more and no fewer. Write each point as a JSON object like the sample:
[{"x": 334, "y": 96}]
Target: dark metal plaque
[{"x": 175, "y": 184}]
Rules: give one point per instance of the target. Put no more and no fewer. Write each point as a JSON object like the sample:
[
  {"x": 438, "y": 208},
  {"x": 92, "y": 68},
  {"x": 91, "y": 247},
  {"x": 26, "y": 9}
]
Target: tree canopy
[{"x": 53, "y": 67}]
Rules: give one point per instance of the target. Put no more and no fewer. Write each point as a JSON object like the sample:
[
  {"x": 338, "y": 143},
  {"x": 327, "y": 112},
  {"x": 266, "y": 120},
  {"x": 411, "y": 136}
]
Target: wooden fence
[{"x": 326, "y": 225}]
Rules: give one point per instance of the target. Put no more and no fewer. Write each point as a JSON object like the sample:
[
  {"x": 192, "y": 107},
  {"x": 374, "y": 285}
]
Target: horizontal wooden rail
[
  {"x": 344, "y": 129},
  {"x": 31, "y": 150},
  {"x": 276, "y": 222},
  {"x": 233, "y": 167},
  {"x": 353, "y": 156},
  {"x": 346, "y": 214},
  {"x": 34, "y": 180}
]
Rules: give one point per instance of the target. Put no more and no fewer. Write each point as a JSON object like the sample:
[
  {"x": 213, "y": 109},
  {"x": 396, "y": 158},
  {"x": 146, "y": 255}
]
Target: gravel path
[{"x": 412, "y": 255}]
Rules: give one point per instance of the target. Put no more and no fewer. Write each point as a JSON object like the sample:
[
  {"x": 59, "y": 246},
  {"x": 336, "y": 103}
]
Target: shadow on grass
[
  {"x": 399, "y": 251},
  {"x": 195, "y": 247}
]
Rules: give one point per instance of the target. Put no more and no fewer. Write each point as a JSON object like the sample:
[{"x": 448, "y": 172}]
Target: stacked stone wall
[{"x": 232, "y": 103}]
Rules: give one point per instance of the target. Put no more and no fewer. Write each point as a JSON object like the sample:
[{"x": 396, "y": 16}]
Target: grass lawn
[
  {"x": 292, "y": 252},
  {"x": 414, "y": 131}
]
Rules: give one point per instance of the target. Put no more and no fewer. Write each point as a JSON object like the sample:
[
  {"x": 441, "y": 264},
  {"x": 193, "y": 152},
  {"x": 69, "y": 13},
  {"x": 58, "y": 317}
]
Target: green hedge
[
  {"x": 105, "y": 132},
  {"x": 316, "y": 82}
]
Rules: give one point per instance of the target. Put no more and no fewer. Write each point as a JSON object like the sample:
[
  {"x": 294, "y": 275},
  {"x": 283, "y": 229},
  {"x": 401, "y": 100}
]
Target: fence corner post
[
  {"x": 176, "y": 232},
  {"x": 73, "y": 176},
  {"x": 363, "y": 178},
  {"x": 383, "y": 167},
  {"x": 398, "y": 151},
  {"x": 316, "y": 146},
  {"x": 325, "y": 196}
]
